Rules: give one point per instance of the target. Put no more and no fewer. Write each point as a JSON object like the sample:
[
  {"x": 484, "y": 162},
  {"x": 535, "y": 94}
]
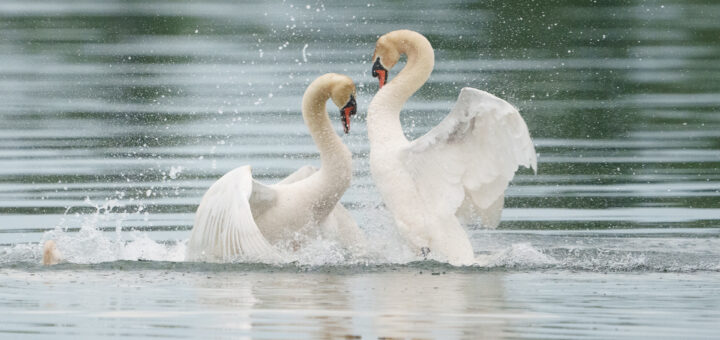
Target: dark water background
[{"x": 116, "y": 116}]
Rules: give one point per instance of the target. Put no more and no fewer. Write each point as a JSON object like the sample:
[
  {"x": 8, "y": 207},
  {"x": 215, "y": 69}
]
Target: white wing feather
[
  {"x": 467, "y": 161},
  {"x": 224, "y": 226}
]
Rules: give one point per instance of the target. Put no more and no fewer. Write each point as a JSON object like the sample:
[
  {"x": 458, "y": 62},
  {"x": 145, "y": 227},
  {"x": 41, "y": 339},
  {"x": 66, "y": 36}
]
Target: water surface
[{"x": 116, "y": 116}]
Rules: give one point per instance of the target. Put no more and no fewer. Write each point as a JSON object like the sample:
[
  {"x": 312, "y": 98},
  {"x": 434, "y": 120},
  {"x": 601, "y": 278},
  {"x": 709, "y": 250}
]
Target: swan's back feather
[
  {"x": 299, "y": 174},
  {"x": 224, "y": 227},
  {"x": 473, "y": 152},
  {"x": 262, "y": 197}
]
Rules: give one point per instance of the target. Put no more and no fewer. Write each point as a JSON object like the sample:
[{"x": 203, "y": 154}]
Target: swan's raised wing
[
  {"x": 467, "y": 161},
  {"x": 224, "y": 227}
]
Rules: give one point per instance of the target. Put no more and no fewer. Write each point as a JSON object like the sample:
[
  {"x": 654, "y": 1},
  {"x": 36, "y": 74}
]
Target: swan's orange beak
[
  {"x": 348, "y": 110},
  {"x": 379, "y": 72}
]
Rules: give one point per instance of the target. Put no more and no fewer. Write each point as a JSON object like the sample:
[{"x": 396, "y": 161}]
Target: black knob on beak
[
  {"x": 379, "y": 71},
  {"x": 350, "y": 109}
]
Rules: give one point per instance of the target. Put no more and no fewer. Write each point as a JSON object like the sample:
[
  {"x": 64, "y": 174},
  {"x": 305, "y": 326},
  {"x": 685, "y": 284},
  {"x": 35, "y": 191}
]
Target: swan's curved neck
[
  {"x": 420, "y": 63},
  {"x": 336, "y": 159},
  {"x": 384, "y": 112}
]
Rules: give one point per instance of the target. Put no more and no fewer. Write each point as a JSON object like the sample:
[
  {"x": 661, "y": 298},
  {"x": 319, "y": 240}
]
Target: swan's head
[
  {"x": 391, "y": 46},
  {"x": 342, "y": 93},
  {"x": 385, "y": 57}
]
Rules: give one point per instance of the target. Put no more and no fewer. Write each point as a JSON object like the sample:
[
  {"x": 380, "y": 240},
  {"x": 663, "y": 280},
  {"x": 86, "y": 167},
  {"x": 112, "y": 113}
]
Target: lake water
[{"x": 116, "y": 116}]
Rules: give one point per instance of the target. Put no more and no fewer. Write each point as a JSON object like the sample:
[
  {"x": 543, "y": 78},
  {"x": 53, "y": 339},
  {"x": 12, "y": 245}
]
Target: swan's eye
[
  {"x": 380, "y": 72},
  {"x": 348, "y": 110}
]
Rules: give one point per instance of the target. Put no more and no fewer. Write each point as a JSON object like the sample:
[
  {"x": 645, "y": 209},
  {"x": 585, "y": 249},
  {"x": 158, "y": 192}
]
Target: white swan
[
  {"x": 240, "y": 216},
  {"x": 457, "y": 171}
]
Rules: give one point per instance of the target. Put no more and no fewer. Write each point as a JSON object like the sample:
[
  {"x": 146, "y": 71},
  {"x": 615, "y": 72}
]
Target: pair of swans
[{"x": 455, "y": 173}]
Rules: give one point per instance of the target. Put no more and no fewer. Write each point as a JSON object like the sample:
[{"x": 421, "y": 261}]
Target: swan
[
  {"x": 239, "y": 216},
  {"x": 455, "y": 173}
]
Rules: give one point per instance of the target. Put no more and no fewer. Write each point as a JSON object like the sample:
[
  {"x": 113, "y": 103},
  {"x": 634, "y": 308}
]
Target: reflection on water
[
  {"x": 116, "y": 116},
  {"x": 394, "y": 303}
]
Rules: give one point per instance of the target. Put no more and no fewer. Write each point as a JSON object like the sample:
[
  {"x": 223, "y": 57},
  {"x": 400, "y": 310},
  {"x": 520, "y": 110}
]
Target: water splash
[
  {"x": 93, "y": 247},
  {"x": 90, "y": 245},
  {"x": 519, "y": 255},
  {"x": 385, "y": 247}
]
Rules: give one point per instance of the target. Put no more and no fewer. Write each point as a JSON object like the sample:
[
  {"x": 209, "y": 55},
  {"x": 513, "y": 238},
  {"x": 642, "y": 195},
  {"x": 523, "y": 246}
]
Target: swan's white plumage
[
  {"x": 299, "y": 174},
  {"x": 239, "y": 217},
  {"x": 224, "y": 226},
  {"x": 471, "y": 156},
  {"x": 339, "y": 225},
  {"x": 456, "y": 172}
]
